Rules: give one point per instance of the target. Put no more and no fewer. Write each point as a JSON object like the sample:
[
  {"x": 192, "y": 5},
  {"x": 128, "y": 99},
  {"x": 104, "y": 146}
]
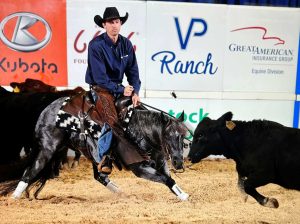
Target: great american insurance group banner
[{"x": 261, "y": 51}]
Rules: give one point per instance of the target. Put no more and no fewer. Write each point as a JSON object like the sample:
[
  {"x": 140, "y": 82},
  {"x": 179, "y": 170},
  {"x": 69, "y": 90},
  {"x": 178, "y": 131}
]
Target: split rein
[{"x": 154, "y": 108}]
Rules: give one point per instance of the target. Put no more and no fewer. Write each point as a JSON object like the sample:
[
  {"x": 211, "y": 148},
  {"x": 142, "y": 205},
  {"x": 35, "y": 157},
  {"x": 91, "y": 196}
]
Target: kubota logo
[{"x": 22, "y": 39}]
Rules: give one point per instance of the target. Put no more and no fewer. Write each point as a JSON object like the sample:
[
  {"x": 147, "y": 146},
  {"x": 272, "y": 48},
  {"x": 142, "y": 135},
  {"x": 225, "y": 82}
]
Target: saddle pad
[
  {"x": 127, "y": 117},
  {"x": 71, "y": 123}
]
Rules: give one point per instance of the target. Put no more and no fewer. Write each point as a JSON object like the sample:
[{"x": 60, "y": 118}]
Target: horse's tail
[
  {"x": 8, "y": 187},
  {"x": 10, "y": 174}
]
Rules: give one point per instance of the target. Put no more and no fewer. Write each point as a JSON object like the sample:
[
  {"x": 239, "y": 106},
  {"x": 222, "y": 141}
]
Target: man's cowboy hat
[{"x": 110, "y": 13}]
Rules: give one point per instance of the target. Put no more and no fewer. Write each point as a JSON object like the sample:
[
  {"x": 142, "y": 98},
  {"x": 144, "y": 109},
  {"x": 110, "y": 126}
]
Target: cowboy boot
[{"x": 105, "y": 165}]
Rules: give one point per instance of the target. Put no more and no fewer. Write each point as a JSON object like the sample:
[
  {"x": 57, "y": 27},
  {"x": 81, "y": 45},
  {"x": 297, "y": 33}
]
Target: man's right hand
[{"x": 128, "y": 90}]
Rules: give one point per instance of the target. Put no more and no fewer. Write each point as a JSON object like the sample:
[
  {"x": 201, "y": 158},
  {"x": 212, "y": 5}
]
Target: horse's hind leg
[
  {"x": 49, "y": 144},
  {"x": 31, "y": 173},
  {"x": 76, "y": 159},
  {"x": 64, "y": 160},
  {"x": 147, "y": 172}
]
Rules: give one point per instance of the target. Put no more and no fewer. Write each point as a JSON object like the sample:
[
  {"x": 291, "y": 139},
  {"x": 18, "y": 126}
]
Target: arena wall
[{"x": 215, "y": 58}]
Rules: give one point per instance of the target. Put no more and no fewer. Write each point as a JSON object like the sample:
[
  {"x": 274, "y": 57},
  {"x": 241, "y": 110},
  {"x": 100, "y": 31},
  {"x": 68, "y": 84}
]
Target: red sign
[{"x": 33, "y": 42}]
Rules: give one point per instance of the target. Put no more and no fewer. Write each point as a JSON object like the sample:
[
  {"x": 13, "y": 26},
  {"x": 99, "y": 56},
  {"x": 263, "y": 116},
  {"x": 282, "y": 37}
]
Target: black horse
[{"x": 158, "y": 134}]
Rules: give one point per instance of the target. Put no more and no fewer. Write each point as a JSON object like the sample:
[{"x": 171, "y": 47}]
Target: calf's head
[
  {"x": 32, "y": 86},
  {"x": 207, "y": 139}
]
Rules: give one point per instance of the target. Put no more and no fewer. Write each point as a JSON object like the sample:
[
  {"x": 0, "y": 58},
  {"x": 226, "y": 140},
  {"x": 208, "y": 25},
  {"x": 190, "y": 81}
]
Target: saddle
[{"x": 83, "y": 104}]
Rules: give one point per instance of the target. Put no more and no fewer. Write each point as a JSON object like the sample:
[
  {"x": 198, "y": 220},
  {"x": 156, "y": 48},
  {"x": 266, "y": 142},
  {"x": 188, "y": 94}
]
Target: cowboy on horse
[{"x": 110, "y": 56}]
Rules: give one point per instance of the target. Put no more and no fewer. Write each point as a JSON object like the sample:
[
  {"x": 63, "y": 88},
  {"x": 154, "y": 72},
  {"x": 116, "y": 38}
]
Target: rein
[
  {"x": 154, "y": 108},
  {"x": 147, "y": 105}
]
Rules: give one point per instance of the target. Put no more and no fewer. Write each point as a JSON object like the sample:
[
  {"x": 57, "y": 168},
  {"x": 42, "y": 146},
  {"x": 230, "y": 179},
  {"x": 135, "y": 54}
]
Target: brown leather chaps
[{"x": 105, "y": 105}]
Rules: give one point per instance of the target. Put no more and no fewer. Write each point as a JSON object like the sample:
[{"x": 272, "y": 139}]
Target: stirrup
[{"x": 105, "y": 165}]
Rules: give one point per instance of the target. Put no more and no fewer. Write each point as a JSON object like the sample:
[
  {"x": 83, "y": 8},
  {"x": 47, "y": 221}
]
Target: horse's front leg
[
  {"x": 103, "y": 179},
  {"x": 145, "y": 171},
  {"x": 161, "y": 164}
]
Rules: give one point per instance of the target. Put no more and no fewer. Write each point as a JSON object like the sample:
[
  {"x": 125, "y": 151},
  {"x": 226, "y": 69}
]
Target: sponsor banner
[
  {"x": 81, "y": 29},
  {"x": 185, "y": 50},
  {"x": 196, "y": 109},
  {"x": 33, "y": 41},
  {"x": 262, "y": 49},
  {"x": 296, "y": 123}
]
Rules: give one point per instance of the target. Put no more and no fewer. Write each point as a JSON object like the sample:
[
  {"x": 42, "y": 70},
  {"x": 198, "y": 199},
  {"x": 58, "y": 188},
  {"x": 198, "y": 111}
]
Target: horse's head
[{"x": 174, "y": 132}]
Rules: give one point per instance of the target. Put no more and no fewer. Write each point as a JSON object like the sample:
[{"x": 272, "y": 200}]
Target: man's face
[{"x": 112, "y": 27}]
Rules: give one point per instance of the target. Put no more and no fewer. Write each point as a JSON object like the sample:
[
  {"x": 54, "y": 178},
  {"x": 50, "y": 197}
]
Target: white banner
[
  {"x": 81, "y": 29},
  {"x": 185, "y": 46},
  {"x": 261, "y": 49}
]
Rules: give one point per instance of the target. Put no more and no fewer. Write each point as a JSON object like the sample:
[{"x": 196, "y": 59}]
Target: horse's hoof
[
  {"x": 180, "y": 193},
  {"x": 113, "y": 187},
  {"x": 183, "y": 196},
  {"x": 271, "y": 203},
  {"x": 15, "y": 197},
  {"x": 74, "y": 164},
  {"x": 19, "y": 190},
  {"x": 65, "y": 166}
]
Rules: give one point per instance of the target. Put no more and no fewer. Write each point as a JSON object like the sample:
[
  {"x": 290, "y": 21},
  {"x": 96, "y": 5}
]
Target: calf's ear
[
  {"x": 226, "y": 120},
  {"x": 15, "y": 87},
  {"x": 225, "y": 117}
]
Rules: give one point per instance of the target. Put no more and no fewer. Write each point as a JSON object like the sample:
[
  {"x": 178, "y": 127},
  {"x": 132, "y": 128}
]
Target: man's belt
[{"x": 99, "y": 89}]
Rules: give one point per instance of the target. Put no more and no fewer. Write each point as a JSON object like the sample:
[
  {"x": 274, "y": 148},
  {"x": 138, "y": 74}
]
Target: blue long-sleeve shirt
[{"x": 108, "y": 62}]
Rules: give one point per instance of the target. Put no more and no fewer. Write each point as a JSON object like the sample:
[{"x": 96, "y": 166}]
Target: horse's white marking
[
  {"x": 37, "y": 164},
  {"x": 180, "y": 193},
  {"x": 19, "y": 190},
  {"x": 112, "y": 187}
]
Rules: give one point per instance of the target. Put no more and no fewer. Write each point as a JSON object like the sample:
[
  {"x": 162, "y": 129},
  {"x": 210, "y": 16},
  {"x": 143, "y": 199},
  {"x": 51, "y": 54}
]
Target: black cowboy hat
[{"x": 110, "y": 13}]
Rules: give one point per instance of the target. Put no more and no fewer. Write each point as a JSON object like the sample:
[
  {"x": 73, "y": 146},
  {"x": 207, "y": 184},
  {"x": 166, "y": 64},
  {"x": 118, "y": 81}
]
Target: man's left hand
[{"x": 135, "y": 100}]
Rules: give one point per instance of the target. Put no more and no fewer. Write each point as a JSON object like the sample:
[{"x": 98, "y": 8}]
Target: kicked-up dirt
[{"x": 75, "y": 197}]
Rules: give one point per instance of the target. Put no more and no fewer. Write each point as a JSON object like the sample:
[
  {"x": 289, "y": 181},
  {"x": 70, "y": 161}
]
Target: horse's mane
[{"x": 153, "y": 117}]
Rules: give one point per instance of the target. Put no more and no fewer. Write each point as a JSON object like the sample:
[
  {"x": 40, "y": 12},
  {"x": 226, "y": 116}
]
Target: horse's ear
[
  {"x": 181, "y": 117},
  {"x": 164, "y": 118}
]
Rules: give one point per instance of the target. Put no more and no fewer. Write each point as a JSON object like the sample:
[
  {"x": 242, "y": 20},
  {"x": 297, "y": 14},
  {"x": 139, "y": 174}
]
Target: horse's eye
[{"x": 186, "y": 145}]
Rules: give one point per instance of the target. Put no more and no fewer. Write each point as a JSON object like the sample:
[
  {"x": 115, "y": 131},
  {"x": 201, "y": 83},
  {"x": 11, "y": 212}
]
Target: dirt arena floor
[{"x": 75, "y": 197}]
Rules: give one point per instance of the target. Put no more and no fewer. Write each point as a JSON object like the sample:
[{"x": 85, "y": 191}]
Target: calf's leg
[
  {"x": 241, "y": 187},
  {"x": 250, "y": 185}
]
